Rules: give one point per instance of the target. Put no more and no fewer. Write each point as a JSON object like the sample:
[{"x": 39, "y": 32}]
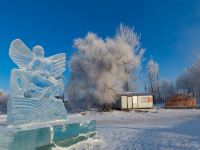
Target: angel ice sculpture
[{"x": 36, "y": 87}]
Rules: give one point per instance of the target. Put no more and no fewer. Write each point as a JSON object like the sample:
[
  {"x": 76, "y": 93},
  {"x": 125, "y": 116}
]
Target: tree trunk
[{"x": 106, "y": 108}]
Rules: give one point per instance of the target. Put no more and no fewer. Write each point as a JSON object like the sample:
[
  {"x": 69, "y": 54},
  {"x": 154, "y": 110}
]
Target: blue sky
[{"x": 170, "y": 29}]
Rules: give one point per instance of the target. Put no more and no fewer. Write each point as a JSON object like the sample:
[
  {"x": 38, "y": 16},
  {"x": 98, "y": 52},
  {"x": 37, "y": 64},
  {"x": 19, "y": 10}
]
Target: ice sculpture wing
[
  {"x": 20, "y": 53},
  {"x": 58, "y": 63}
]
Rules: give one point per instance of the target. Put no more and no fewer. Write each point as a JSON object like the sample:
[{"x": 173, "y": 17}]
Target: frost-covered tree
[
  {"x": 161, "y": 89},
  {"x": 3, "y": 101},
  {"x": 166, "y": 89},
  {"x": 102, "y": 67},
  {"x": 152, "y": 78},
  {"x": 194, "y": 77},
  {"x": 184, "y": 83},
  {"x": 131, "y": 67},
  {"x": 189, "y": 82}
]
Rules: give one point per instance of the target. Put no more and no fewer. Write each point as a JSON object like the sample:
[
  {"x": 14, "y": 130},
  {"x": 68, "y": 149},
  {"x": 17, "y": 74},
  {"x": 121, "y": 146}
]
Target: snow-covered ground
[{"x": 157, "y": 129}]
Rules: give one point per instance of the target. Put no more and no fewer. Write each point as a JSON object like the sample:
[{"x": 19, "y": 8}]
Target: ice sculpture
[
  {"x": 36, "y": 87},
  {"x": 35, "y": 103}
]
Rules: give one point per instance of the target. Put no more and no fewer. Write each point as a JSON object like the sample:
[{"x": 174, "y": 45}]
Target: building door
[{"x": 135, "y": 101}]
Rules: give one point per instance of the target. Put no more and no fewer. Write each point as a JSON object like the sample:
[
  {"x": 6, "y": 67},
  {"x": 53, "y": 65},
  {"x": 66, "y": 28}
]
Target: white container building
[{"x": 130, "y": 100}]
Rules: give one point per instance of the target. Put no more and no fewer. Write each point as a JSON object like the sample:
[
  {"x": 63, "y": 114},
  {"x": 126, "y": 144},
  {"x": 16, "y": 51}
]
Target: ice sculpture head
[
  {"x": 37, "y": 86},
  {"x": 38, "y": 51}
]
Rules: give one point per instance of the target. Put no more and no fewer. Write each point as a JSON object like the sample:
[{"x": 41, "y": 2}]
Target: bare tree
[{"x": 100, "y": 68}]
